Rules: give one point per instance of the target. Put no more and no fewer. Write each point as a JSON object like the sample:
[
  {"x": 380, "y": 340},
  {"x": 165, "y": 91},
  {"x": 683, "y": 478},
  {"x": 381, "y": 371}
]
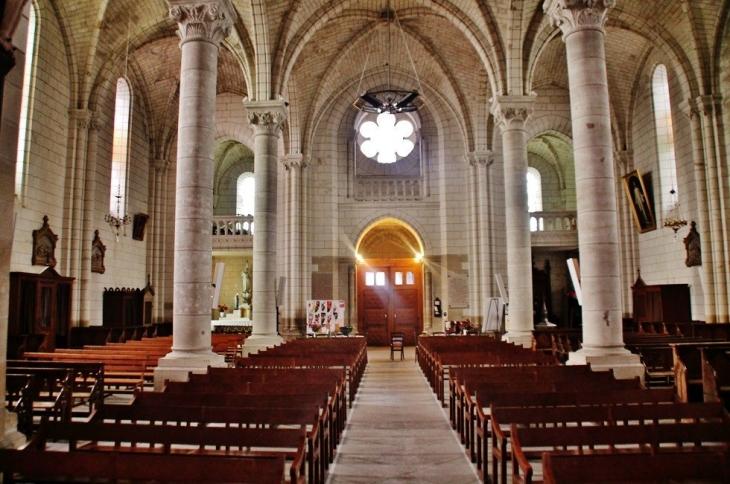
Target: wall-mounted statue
[{"x": 692, "y": 246}]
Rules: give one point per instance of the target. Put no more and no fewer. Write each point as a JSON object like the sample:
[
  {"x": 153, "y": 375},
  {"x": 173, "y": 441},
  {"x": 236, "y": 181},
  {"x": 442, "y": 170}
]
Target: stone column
[
  {"x": 582, "y": 22},
  {"x": 475, "y": 301},
  {"x": 267, "y": 120},
  {"x": 511, "y": 113},
  {"x": 690, "y": 109},
  {"x": 79, "y": 126},
  {"x": 294, "y": 309},
  {"x": 9, "y": 435},
  {"x": 88, "y": 223},
  {"x": 706, "y": 108},
  {"x": 157, "y": 244},
  {"x": 201, "y": 26},
  {"x": 624, "y": 164}
]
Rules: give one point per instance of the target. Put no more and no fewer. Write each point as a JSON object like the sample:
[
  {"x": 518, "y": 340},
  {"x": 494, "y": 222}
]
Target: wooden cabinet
[
  {"x": 668, "y": 303},
  {"x": 126, "y": 307},
  {"x": 40, "y": 304}
]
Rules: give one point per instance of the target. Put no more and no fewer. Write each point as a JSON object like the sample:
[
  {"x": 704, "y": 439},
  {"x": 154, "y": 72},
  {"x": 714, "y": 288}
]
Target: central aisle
[{"x": 397, "y": 432}]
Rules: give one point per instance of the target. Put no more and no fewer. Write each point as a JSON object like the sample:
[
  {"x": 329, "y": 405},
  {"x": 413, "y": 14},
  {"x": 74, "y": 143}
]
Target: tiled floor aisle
[{"x": 397, "y": 431}]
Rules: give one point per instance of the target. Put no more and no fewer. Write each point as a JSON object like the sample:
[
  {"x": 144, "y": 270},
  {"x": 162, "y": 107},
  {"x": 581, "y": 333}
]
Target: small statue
[
  {"x": 236, "y": 302},
  {"x": 693, "y": 247}
]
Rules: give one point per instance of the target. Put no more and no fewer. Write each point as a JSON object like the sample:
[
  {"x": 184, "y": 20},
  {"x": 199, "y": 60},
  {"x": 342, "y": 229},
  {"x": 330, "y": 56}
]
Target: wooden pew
[
  {"x": 19, "y": 399},
  {"x": 676, "y": 467},
  {"x": 485, "y": 401},
  {"x": 688, "y": 368},
  {"x": 232, "y": 400},
  {"x": 87, "y": 389},
  {"x": 225, "y": 441},
  {"x": 716, "y": 375},
  {"x": 306, "y": 418},
  {"x": 645, "y": 414},
  {"x": 122, "y": 373},
  {"x": 534, "y": 382},
  {"x": 49, "y": 466},
  {"x": 49, "y": 390},
  {"x": 528, "y": 444}
]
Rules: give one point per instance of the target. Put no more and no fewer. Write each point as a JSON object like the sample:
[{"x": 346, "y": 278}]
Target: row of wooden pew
[
  {"x": 545, "y": 422},
  {"x": 272, "y": 423}
]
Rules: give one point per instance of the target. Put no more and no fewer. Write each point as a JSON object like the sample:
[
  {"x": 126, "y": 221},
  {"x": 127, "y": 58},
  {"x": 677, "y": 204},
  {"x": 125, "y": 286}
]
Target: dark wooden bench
[
  {"x": 503, "y": 417},
  {"x": 484, "y": 402},
  {"x": 716, "y": 375},
  {"x": 40, "y": 466},
  {"x": 528, "y": 444},
  {"x": 226, "y": 441},
  {"x": 87, "y": 389},
  {"x": 305, "y": 418},
  {"x": 674, "y": 467}
]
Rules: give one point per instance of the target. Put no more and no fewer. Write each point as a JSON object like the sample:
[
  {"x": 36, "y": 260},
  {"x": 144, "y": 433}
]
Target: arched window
[
  {"x": 120, "y": 147},
  {"x": 664, "y": 137},
  {"x": 534, "y": 190},
  {"x": 245, "y": 186},
  {"x": 26, "y": 104}
]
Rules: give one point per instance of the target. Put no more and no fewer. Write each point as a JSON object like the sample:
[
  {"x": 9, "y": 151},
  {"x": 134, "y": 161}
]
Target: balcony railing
[
  {"x": 388, "y": 189},
  {"x": 554, "y": 229},
  {"x": 232, "y": 232}
]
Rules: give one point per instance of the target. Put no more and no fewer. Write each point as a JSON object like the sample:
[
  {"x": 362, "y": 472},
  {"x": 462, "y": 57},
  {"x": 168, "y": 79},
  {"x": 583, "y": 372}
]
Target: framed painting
[{"x": 639, "y": 202}]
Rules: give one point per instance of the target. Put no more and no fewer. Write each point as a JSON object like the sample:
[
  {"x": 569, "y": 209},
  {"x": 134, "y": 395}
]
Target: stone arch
[{"x": 396, "y": 216}]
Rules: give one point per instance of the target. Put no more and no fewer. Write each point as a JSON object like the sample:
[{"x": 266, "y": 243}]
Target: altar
[{"x": 231, "y": 324}]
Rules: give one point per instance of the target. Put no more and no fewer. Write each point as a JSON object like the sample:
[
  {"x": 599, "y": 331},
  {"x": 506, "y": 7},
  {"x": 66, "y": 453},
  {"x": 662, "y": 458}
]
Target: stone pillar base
[
  {"x": 11, "y": 439},
  {"x": 518, "y": 338},
  {"x": 290, "y": 334},
  {"x": 255, "y": 343},
  {"x": 624, "y": 365},
  {"x": 176, "y": 367}
]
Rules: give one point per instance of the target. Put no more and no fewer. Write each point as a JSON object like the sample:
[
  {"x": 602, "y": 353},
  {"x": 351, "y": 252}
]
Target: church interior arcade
[{"x": 217, "y": 162}]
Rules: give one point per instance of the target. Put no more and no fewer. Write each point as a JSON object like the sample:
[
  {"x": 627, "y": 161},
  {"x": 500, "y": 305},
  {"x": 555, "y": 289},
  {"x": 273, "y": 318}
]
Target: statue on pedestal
[{"x": 246, "y": 284}]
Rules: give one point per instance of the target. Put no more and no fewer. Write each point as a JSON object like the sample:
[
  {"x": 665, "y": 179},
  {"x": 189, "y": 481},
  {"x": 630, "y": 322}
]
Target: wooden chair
[{"x": 397, "y": 344}]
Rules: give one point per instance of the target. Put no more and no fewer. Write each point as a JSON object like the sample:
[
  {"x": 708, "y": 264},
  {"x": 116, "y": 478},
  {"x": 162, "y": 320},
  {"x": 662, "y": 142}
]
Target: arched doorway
[{"x": 389, "y": 282}]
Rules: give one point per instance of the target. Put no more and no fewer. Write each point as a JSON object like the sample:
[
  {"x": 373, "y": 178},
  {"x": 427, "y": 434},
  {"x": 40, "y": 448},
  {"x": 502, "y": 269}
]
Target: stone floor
[{"x": 397, "y": 431}]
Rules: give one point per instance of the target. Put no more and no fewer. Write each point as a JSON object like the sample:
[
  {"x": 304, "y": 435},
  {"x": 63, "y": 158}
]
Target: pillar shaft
[
  {"x": 582, "y": 24},
  {"x": 511, "y": 113},
  {"x": 715, "y": 212},
  {"x": 700, "y": 173},
  {"x": 267, "y": 119},
  {"x": 202, "y": 26},
  {"x": 88, "y": 225}
]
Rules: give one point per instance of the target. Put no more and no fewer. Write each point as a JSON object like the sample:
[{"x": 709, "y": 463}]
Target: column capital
[
  {"x": 161, "y": 165},
  {"x": 81, "y": 117},
  {"x": 293, "y": 161},
  {"x": 480, "y": 157},
  {"x": 266, "y": 117},
  {"x": 209, "y": 20},
  {"x": 512, "y": 112},
  {"x": 708, "y": 103},
  {"x": 689, "y": 108},
  {"x": 574, "y": 15},
  {"x": 625, "y": 159}
]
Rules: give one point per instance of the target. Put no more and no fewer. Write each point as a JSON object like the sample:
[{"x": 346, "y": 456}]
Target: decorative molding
[
  {"x": 625, "y": 160},
  {"x": 209, "y": 20},
  {"x": 512, "y": 112},
  {"x": 161, "y": 165},
  {"x": 574, "y": 15},
  {"x": 98, "y": 252},
  {"x": 266, "y": 117},
  {"x": 44, "y": 245}
]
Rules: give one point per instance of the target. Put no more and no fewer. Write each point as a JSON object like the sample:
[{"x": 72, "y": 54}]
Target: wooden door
[{"x": 390, "y": 298}]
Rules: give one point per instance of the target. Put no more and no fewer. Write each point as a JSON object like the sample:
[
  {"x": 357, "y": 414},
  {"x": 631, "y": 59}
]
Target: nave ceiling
[{"x": 312, "y": 53}]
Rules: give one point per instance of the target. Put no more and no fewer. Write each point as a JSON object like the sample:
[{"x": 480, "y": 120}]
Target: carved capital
[
  {"x": 266, "y": 117},
  {"x": 708, "y": 104},
  {"x": 689, "y": 108},
  {"x": 209, "y": 20},
  {"x": 512, "y": 112},
  {"x": 81, "y": 117},
  {"x": 625, "y": 159},
  {"x": 480, "y": 158},
  {"x": 574, "y": 15},
  {"x": 295, "y": 161},
  {"x": 161, "y": 165}
]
